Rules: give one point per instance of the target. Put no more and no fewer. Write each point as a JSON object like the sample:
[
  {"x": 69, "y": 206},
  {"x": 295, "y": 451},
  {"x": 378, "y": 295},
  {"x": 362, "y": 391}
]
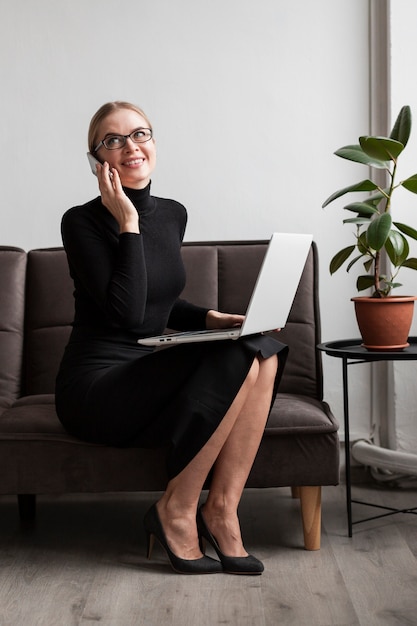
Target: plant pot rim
[{"x": 385, "y": 299}]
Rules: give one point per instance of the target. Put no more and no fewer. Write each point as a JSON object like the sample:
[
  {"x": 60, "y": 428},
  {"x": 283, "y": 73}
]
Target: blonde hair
[{"x": 103, "y": 112}]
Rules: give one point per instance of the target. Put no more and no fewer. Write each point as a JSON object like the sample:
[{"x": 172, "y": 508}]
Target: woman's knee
[
  {"x": 268, "y": 370},
  {"x": 253, "y": 373},
  {"x": 264, "y": 369}
]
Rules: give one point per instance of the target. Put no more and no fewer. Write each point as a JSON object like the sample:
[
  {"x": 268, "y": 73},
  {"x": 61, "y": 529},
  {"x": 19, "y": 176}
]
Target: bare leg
[
  {"x": 235, "y": 461},
  {"x": 232, "y": 447}
]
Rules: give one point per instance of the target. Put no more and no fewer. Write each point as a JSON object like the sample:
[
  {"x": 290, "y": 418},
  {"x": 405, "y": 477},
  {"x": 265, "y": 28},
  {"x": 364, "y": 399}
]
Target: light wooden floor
[{"x": 84, "y": 563}]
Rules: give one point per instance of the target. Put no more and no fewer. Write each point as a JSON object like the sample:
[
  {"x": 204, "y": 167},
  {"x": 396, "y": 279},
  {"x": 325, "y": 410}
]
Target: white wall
[{"x": 248, "y": 100}]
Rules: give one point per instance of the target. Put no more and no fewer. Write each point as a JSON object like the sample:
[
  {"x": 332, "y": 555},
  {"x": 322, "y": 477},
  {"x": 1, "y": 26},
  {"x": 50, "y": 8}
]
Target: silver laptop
[{"x": 272, "y": 296}]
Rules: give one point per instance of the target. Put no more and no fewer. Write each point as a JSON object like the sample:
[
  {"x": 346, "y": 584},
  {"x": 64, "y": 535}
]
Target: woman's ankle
[
  {"x": 176, "y": 508},
  {"x": 223, "y": 523},
  {"x": 180, "y": 530},
  {"x": 220, "y": 508}
]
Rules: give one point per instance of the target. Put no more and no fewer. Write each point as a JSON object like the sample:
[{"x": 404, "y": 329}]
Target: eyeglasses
[{"x": 115, "y": 142}]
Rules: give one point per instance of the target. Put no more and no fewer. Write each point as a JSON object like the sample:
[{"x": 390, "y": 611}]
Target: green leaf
[
  {"x": 364, "y": 282},
  {"x": 363, "y": 244},
  {"x": 357, "y": 258},
  {"x": 397, "y": 248},
  {"x": 362, "y": 208},
  {"x": 407, "y": 230},
  {"x": 356, "y": 220},
  {"x": 364, "y": 185},
  {"x": 411, "y": 263},
  {"x": 339, "y": 258},
  {"x": 381, "y": 148},
  {"x": 355, "y": 153},
  {"x": 376, "y": 198},
  {"x": 410, "y": 183},
  {"x": 368, "y": 264},
  {"x": 378, "y": 231},
  {"x": 402, "y": 127}
]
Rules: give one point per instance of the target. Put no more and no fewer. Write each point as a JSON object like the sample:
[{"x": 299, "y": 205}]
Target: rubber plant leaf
[
  {"x": 339, "y": 258},
  {"x": 356, "y": 220},
  {"x": 364, "y": 282},
  {"x": 407, "y": 230},
  {"x": 364, "y": 185},
  {"x": 368, "y": 264},
  {"x": 362, "y": 243},
  {"x": 411, "y": 263},
  {"x": 392, "y": 285},
  {"x": 381, "y": 147},
  {"x": 355, "y": 260},
  {"x": 410, "y": 183},
  {"x": 355, "y": 153},
  {"x": 397, "y": 248},
  {"x": 362, "y": 208},
  {"x": 378, "y": 231},
  {"x": 402, "y": 128}
]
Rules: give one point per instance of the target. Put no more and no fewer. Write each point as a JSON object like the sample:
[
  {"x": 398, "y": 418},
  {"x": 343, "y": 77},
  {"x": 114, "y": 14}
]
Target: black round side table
[{"x": 352, "y": 352}]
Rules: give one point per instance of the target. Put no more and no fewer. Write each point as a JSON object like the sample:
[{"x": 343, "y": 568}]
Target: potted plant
[{"x": 377, "y": 236}]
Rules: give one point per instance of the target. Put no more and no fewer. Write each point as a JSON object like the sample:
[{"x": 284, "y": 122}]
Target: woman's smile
[{"x": 135, "y": 162}]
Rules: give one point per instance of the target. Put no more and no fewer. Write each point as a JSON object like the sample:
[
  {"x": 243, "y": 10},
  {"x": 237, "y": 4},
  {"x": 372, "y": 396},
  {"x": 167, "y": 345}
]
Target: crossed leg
[{"x": 231, "y": 451}]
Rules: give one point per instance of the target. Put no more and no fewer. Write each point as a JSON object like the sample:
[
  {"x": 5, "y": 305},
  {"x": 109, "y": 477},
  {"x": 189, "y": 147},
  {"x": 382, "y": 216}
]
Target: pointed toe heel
[
  {"x": 245, "y": 565},
  {"x": 153, "y": 529}
]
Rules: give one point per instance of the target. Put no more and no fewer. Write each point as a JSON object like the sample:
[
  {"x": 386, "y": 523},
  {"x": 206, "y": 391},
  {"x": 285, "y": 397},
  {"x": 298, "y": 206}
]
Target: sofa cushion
[
  {"x": 298, "y": 414},
  {"x": 300, "y": 433},
  {"x": 12, "y": 290},
  {"x": 31, "y": 418},
  {"x": 201, "y": 264},
  {"x": 48, "y": 318},
  {"x": 48, "y": 460},
  {"x": 300, "y": 445},
  {"x": 290, "y": 415}
]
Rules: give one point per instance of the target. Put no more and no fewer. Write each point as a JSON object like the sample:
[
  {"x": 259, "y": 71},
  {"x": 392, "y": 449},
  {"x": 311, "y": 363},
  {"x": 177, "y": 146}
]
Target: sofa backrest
[
  {"x": 219, "y": 275},
  {"x": 12, "y": 301},
  {"x": 48, "y": 316},
  {"x": 222, "y": 275}
]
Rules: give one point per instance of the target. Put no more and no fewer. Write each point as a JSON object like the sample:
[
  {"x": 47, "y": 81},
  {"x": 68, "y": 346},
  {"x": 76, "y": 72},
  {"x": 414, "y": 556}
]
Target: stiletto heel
[
  {"x": 153, "y": 529},
  {"x": 202, "y": 542},
  {"x": 249, "y": 565},
  {"x": 150, "y": 539}
]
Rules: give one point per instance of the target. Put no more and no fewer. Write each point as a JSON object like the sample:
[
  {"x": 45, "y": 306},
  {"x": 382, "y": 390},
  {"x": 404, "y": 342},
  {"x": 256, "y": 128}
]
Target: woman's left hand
[{"x": 215, "y": 319}]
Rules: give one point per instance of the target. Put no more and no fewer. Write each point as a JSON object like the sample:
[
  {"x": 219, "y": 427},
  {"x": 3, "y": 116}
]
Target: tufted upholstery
[
  {"x": 12, "y": 301},
  {"x": 299, "y": 449}
]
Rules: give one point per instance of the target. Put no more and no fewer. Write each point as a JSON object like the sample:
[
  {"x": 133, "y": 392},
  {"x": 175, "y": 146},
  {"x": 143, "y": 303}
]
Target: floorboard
[{"x": 84, "y": 562}]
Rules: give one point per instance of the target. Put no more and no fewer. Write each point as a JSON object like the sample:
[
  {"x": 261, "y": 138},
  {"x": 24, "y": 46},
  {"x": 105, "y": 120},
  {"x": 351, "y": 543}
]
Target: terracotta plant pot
[{"x": 384, "y": 323}]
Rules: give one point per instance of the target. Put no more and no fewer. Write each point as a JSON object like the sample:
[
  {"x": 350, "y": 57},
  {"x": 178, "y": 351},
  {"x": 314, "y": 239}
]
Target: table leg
[{"x": 347, "y": 445}]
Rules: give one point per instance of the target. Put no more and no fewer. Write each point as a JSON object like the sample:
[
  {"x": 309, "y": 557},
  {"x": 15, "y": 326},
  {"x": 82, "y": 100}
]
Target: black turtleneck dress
[{"x": 112, "y": 390}]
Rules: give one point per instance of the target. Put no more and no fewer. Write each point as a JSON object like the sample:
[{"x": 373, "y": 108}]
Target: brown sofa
[{"x": 300, "y": 448}]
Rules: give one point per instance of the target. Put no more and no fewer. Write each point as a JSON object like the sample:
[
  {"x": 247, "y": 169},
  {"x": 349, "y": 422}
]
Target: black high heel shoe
[
  {"x": 153, "y": 528},
  {"x": 248, "y": 565}
]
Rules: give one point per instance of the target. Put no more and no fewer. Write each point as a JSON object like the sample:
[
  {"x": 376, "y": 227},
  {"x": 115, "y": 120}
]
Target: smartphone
[{"x": 93, "y": 162}]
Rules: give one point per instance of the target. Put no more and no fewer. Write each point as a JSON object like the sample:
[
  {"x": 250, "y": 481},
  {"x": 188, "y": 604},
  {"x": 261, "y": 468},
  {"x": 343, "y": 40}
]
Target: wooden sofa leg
[
  {"x": 27, "y": 507},
  {"x": 310, "y": 501}
]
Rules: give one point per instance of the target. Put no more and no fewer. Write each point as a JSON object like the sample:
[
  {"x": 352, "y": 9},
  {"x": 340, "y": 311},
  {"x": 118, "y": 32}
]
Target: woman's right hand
[{"x": 115, "y": 200}]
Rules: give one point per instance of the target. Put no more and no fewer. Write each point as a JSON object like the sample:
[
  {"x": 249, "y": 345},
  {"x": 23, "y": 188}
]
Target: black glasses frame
[{"x": 124, "y": 137}]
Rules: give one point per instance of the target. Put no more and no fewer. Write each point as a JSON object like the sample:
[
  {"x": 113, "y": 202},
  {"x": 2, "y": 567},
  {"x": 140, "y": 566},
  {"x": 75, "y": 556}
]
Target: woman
[{"x": 209, "y": 401}]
